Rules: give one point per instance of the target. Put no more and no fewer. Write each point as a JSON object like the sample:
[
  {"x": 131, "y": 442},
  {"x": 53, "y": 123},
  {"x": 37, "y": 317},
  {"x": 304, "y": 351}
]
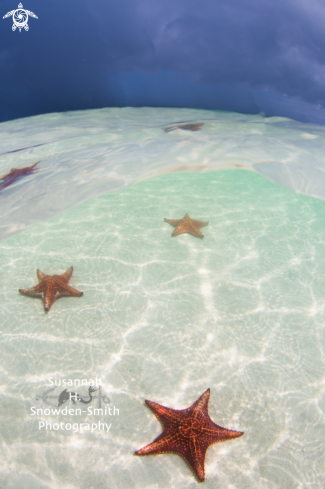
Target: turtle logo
[{"x": 20, "y": 18}]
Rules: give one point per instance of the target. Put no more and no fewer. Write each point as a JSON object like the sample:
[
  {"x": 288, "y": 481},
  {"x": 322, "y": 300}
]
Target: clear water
[
  {"x": 88, "y": 153},
  {"x": 162, "y": 318}
]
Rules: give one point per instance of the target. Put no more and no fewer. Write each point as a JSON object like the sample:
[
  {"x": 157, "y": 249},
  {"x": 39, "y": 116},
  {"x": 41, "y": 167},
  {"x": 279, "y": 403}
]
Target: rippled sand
[{"x": 241, "y": 312}]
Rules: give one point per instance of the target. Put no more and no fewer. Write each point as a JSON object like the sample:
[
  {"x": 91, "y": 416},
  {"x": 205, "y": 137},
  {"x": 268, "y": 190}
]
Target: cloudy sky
[{"x": 247, "y": 56}]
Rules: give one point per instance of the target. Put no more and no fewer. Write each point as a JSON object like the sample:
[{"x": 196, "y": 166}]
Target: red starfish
[
  {"x": 15, "y": 173},
  {"x": 51, "y": 287},
  {"x": 185, "y": 127},
  {"x": 188, "y": 432},
  {"x": 187, "y": 225}
]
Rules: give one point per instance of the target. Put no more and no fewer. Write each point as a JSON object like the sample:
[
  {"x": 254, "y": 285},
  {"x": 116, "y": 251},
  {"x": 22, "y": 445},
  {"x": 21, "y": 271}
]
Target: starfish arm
[
  {"x": 8, "y": 179},
  {"x": 191, "y": 451},
  {"x": 31, "y": 169},
  {"x": 67, "y": 290},
  {"x": 195, "y": 458},
  {"x": 164, "y": 414},
  {"x": 27, "y": 170},
  {"x": 4, "y": 184},
  {"x": 32, "y": 292},
  {"x": 191, "y": 127},
  {"x": 200, "y": 224},
  {"x": 202, "y": 402},
  {"x": 215, "y": 433},
  {"x": 67, "y": 275},
  {"x": 173, "y": 222},
  {"x": 48, "y": 297},
  {"x": 162, "y": 444},
  {"x": 41, "y": 275},
  {"x": 179, "y": 230},
  {"x": 196, "y": 231}
]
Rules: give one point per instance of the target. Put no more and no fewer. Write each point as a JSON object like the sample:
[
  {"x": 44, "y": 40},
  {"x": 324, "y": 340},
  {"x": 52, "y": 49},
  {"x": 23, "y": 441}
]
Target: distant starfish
[
  {"x": 187, "y": 225},
  {"x": 188, "y": 432},
  {"x": 51, "y": 287},
  {"x": 15, "y": 173},
  {"x": 185, "y": 127}
]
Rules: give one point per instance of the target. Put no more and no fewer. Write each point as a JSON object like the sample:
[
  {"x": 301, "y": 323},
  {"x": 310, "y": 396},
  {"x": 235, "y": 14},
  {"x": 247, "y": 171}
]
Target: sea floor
[
  {"x": 83, "y": 154},
  {"x": 163, "y": 318}
]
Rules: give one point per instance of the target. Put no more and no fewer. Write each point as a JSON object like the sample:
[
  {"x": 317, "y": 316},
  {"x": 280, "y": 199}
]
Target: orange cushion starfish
[
  {"x": 185, "y": 127},
  {"x": 51, "y": 287},
  {"x": 188, "y": 432},
  {"x": 187, "y": 225},
  {"x": 15, "y": 173}
]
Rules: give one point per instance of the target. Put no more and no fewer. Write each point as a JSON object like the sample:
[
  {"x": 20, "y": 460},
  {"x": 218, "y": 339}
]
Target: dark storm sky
[{"x": 241, "y": 55}]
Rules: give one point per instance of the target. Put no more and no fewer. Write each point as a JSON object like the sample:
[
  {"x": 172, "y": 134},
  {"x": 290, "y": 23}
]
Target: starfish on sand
[
  {"x": 15, "y": 173},
  {"x": 51, "y": 287},
  {"x": 188, "y": 432},
  {"x": 187, "y": 225},
  {"x": 186, "y": 127}
]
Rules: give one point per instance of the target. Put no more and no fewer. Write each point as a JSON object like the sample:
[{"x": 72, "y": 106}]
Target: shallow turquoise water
[
  {"x": 241, "y": 312},
  {"x": 83, "y": 154}
]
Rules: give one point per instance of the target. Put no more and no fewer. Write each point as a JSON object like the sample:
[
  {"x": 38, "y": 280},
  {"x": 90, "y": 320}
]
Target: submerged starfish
[
  {"x": 15, "y": 173},
  {"x": 188, "y": 432},
  {"x": 51, "y": 287},
  {"x": 187, "y": 225},
  {"x": 185, "y": 127}
]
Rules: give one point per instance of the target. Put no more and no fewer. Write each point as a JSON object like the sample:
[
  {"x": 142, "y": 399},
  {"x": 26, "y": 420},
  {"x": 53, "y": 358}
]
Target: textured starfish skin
[
  {"x": 15, "y": 173},
  {"x": 188, "y": 432},
  {"x": 51, "y": 287},
  {"x": 187, "y": 225}
]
